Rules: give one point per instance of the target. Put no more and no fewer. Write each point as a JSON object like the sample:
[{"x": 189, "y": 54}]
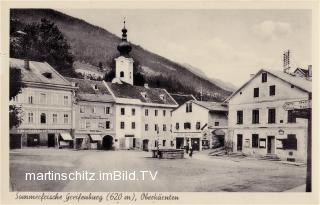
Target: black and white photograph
[{"x": 154, "y": 101}]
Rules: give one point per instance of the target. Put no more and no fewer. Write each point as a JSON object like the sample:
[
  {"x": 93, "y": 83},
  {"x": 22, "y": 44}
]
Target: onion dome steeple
[{"x": 124, "y": 46}]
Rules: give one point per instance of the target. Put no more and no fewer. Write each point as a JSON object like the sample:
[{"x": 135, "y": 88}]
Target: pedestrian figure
[
  {"x": 187, "y": 148},
  {"x": 191, "y": 150}
]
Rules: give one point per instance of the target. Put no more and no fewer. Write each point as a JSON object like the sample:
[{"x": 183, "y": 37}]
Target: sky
[{"x": 225, "y": 44}]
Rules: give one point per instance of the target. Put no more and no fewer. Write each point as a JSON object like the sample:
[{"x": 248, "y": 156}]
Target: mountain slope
[
  {"x": 93, "y": 44},
  {"x": 224, "y": 85}
]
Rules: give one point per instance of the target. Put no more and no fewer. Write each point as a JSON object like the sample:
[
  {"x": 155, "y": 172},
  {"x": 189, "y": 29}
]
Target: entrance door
[
  {"x": 51, "y": 140},
  {"x": 179, "y": 142},
  {"x": 15, "y": 141},
  {"x": 107, "y": 142},
  {"x": 33, "y": 140},
  {"x": 239, "y": 143},
  {"x": 195, "y": 144},
  {"x": 145, "y": 144},
  {"x": 271, "y": 145}
]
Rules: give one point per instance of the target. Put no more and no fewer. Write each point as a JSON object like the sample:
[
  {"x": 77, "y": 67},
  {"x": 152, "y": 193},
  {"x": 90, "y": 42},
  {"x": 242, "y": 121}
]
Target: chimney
[
  {"x": 146, "y": 85},
  {"x": 309, "y": 70},
  {"x": 26, "y": 64}
]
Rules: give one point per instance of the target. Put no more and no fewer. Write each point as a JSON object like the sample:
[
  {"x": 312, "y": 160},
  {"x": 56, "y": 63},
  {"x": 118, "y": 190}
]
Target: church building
[{"x": 143, "y": 114}]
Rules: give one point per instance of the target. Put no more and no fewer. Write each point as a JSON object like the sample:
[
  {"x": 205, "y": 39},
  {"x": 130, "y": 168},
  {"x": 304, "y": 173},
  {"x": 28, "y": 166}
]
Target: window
[
  {"x": 262, "y": 143},
  {"x": 172, "y": 143},
  {"x": 30, "y": 100},
  {"x": 43, "y": 118},
  {"x": 146, "y": 127},
  {"x": 133, "y": 125},
  {"x": 187, "y": 125},
  {"x": 93, "y": 109},
  {"x": 164, "y": 127},
  {"x": 272, "y": 116},
  {"x": 189, "y": 107},
  {"x": 177, "y": 125},
  {"x": 82, "y": 124},
  {"x": 164, "y": 112},
  {"x": 121, "y": 74},
  {"x": 88, "y": 124},
  {"x": 146, "y": 112},
  {"x": 65, "y": 100},
  {"x": 54, "y": 118},
  {"x": 255, "y": 116},
  {"x": 30, "y": 117},
  {"x": 290, "y": 142},
  {"x": 256, "y": 92},
  {"x": 164, "y": 143},
  {"x": 291, "y": 118},
  {"x": 43, "y": 98},
  {"x": 82, "y": 109},
  {"x": 272, "y": 90},
  {"x": 239, "y": 117},
  {"x": 121, "y": 125},
  {"x": 133, "y": 112},
  {"x": 216, "y": 123},
  {"x": 122, "y": 110},
  {"x": 198, "y": 125},
  {"x": 107, "y": 110},
  {"x": 107, "y": 124},
  {"x": 66, "y": 118},
  {"x": 255, "y": 140},
  {"x": 95, "y": 87},
  {"x": 264, "y": 77},
  {"x": 155, "y": 112},
  {"x": 155, "y": 127}
]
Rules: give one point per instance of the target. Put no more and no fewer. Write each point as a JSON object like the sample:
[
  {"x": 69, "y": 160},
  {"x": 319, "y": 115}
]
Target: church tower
[{"x": 124, "y": 63}]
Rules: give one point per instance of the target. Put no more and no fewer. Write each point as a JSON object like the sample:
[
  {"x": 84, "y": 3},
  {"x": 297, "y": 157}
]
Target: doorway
[
  {"x": 107, "y": 142},
  {"x": 15, "y": 141},
  {"x": 195, "y": 144},
  {"x": 51, "y": 140},
  {"x": 179, "y": 142},
  {"x": 145, "y": 144},
  {"x": 271, "y": 145},
  {"x": 239, "y": 143},
  {"x": 33, "y": 140}
]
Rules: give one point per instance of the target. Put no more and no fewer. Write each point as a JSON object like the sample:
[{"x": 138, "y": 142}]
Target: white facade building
[
  {"x": 258, "y": 123},
  {"x": 199, "y": 123},
  {"x": 46, "y": 105}
]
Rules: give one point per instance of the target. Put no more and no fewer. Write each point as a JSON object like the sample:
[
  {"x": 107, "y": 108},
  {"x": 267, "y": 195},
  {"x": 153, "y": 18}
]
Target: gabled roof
[
  {"x": 86, "y": 91},
  {"x": 305, "y": 72},
  {"x": 153, "y": 95},
  {"x": 301, "y": 83},
  {"x": 36, "y": 71},
  {"x": 211, "y": 106},
  {"x": 182, "y": 98}
]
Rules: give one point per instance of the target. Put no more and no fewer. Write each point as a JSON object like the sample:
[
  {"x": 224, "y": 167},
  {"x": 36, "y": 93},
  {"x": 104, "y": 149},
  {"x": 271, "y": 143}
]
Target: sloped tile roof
[
  {"x": 292, "y": 79},
  {"x": 35, "y": 73},
  {"x": 87, "y": 92},
  {"x": 182, "y": 98},
  {"x": 212, "y": 106},
  {"x": 125, "y": 90}
]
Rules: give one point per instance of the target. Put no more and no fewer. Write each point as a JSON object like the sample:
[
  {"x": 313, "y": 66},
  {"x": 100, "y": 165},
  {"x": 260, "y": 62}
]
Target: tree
[
  {"x": 43, "y": 42},
  {"x": 15, "y": 87}
]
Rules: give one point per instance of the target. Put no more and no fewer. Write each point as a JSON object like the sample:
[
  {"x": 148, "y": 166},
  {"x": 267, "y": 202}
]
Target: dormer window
[
  {"x": 144, "y": 95},
  {"x": 47, "y": 75},
  {"x": 95, "y": 87},
  {"x": 162, "y": 96}
]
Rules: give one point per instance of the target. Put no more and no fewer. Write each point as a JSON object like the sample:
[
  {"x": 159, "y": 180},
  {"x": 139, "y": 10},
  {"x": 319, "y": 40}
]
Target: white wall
[{"x": 125, "y": 65}]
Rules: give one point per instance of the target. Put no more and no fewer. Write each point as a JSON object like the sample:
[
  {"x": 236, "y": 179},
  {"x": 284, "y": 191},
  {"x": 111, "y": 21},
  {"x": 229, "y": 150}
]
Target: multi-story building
[
  {"x": 143, "y": 113},
  {"x": 46, "y": 104},
  {"x": 201, "y": 123},
  {"x": 258, "y": 123},
  {"x": 94, "y": 115}
]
